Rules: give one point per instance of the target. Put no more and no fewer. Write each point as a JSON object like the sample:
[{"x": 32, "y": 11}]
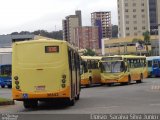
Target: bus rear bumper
[{"x": 20, "y": 95}]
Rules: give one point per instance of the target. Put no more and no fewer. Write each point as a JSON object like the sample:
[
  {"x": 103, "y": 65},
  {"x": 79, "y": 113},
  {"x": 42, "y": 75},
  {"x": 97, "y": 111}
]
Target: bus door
[{"x": 70, "y": 56}]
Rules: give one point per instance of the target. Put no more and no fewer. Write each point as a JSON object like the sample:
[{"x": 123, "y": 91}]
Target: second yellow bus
[{"x": 123, "y": 69}]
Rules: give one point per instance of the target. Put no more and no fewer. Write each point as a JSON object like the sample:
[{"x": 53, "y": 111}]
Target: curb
[{"x": 9, "y": 102}]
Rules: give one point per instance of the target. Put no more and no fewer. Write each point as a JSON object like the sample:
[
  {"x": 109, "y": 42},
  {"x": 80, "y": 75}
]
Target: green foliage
[
  {"x": 135, "y": 40},
  {"x": 147, "y": 38},
  {"x": 53, "y": 34},
  {"x": 89, "y": 52}
]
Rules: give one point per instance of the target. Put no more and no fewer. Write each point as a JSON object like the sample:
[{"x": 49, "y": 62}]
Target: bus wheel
[
  {"x": 129, "y": 80},
  {"x": 77, "y": 97},
  {"x": 30, "y": 103},
  {"x": 141, "y": 78},
  {"x": 110, "y": 84},
  {"x": 9, "y": 86},
  {"x": 90, "y": 83},
  {"x": 72, "y": 102},
  {"x": 2, "y": 86}
]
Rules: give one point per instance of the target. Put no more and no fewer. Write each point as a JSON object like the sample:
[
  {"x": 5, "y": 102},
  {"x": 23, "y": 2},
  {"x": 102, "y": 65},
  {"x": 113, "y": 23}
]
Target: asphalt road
[{"x": 134, "y": 98}]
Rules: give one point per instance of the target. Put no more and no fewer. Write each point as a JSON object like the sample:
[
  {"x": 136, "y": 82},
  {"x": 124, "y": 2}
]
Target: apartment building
[
  {"x": 133, "y": 17},
  {"x": 153, "y": 15},
  {"x": 87, "y": 37},
  {"x": 103, "y": 21},
  {"x": 68, "y": 24}
]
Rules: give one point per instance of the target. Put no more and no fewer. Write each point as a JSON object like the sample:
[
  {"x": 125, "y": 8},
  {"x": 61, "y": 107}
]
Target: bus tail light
[
  {"x": 16, "y": 77},
  {"x": 17, "y": 82},
  {"x": 63, "y": 81}
]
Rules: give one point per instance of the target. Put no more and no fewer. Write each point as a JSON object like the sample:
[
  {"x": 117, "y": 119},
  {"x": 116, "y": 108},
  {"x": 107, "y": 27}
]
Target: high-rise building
[
  {"x": 158, "y": 11},
  {"x": 69, "y": 24},
  {"x": 87, "y": 37},
  {"x": 153, "y": 9},
  {"x": 133, "y": 17},
  {"x": 103, "y": 21}
]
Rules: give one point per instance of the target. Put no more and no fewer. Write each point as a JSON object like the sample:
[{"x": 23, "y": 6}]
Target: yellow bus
[
  {"x": 90, "y": 73},
  {"x": 45, "y": 70},
  {"x": 123, "y": 69}
]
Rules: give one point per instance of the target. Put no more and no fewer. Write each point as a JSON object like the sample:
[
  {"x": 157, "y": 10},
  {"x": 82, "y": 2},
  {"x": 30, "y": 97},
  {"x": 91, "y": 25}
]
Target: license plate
[{"x": 40, "y": 88}]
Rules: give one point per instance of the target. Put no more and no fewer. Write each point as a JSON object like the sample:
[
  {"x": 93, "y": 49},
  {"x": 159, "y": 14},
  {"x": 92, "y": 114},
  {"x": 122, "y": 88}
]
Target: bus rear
[
  {"x": 40, "y": 71},
  {"x": 90, "y": 72}
]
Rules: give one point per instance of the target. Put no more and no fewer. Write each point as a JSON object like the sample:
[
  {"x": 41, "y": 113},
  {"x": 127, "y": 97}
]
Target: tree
[
  {"x": 135, "y": 40},
  {"x": 89, "y": 52},
  {"x": 53, "y": 34},
  {"x": 138, "y": 43},
  {"x": 147, "y": 38}
]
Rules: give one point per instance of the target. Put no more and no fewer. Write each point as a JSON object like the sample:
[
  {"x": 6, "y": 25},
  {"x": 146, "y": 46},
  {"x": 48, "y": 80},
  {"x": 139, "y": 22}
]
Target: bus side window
[{"x": 159, "y": 64}]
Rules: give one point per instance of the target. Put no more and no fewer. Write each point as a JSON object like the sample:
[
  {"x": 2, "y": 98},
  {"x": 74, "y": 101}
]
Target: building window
[
  {"x": 134, "y": 4},
  {"x": 126, "y": 4},
  {"x": 142, "y": 4},
  {"x": 135, "y": 34},
  {"x": 135, "y": 28},
  {"x": 128, "y": 34},
  {"x": 127, "y": 22},
  {"x": 127, "y": 28},
  {"x": 134, "y": 16},
  {"x": 142, "y": 10},
  {"x": 143, "y": 16},
  {"x": 127, "y": 16},
  {"x": 134, "y": 22},
  {"x": 126, "y": 10},
  {"x": 134, "y": 10},
  {"x": 143, "y": 28}
]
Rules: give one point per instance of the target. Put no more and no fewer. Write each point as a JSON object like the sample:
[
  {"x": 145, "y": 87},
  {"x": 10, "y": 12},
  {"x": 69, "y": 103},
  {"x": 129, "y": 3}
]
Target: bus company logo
[{"x": 9, "y": 117}]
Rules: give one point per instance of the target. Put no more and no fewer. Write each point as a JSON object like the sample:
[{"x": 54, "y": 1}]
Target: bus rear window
[{"x": 38, "y": 53}]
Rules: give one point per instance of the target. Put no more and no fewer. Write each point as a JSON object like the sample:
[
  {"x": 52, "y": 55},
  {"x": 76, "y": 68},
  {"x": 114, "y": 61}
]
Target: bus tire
[
  {"x": 77, "y": 97},
  {"x": 110, "y": 84},
  {"x": 90, "y": 82},
  {"x": 30, "y": 104},
  {"x": 72, "y": 102},
  {"x": 2, "y": 86},
  {"x": 9, "y": 86},
  {"x": 129, "y": 80},
  {"x": 141, "y": 78}
]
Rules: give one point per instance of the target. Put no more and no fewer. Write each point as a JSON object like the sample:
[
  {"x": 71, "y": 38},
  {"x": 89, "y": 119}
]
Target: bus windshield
[
  {"x": 83, "y": 67},
  {"x": 113, "y": 67},
  {"x": 149, "y": 63},
  {"x": 5, "y": 70}
]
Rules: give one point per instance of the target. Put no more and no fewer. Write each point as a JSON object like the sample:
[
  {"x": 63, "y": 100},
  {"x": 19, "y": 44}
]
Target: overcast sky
[{"x": 30, "y": 15}]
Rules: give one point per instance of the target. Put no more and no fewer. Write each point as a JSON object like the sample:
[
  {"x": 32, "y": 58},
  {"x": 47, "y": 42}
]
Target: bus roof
[
  {"x": 91, "y": 57},
  {"x": 4, "y": 64},
  {"x": 153, "y": 57},
  {"x": 120, "y": 57},
  {"x": 45, "y": 40}
]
